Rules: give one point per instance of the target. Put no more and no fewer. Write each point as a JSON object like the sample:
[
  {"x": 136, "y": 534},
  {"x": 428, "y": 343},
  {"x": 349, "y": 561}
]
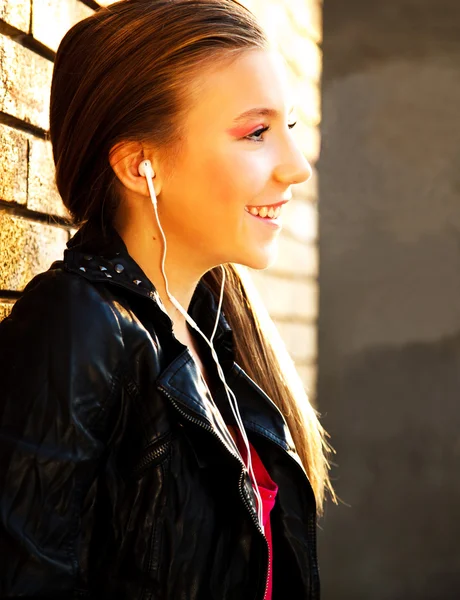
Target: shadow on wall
[
  {"x": 389, "y": 324},
  {"x": 397, "y": 534}
]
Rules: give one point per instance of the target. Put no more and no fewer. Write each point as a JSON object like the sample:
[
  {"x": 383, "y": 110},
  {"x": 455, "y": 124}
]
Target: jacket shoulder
[
  {"x": 60, "y": 401},
  {"x": 61, "y": 303},
  {"x": 61, "y": 340}
]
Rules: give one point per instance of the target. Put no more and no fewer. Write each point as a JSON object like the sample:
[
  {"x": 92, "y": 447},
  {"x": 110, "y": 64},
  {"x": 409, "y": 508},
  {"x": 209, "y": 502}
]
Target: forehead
[{"x": 254, "y": 79}]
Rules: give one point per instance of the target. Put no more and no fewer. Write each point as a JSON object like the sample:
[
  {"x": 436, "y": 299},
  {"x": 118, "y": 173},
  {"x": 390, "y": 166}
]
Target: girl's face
[{"x": 238, "y": 152}]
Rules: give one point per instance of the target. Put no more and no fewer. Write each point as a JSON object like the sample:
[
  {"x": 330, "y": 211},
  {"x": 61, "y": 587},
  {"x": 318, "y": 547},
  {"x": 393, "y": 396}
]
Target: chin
[{"x": 261, "y": 260}]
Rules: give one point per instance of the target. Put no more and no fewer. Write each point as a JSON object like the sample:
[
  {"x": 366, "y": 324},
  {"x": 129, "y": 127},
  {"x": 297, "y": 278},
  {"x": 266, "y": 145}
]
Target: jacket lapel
[
  {"x": 102, "y": 256},
  {"x": 183, "y": 385}
]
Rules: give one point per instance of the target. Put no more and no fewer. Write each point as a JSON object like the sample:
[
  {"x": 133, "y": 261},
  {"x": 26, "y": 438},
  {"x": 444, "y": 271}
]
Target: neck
[{"x": 140, "y": 233}]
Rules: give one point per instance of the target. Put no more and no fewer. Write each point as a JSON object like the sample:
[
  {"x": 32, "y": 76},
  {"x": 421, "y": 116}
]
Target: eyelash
[{"x": 263, "y": 130}]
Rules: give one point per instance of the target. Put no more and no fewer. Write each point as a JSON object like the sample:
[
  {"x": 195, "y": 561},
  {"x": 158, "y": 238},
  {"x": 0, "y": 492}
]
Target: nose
[{"x": 293, "y": 167}]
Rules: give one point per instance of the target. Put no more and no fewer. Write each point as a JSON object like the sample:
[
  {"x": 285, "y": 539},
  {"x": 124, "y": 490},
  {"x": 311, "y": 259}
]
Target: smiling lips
[
  {"x": 272, "y": 211},
  {"x": 264, "y": 211}
]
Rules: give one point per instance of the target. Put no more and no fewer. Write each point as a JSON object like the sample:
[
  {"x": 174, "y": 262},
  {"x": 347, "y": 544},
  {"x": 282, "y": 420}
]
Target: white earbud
[{"x": 145, "y": 169}]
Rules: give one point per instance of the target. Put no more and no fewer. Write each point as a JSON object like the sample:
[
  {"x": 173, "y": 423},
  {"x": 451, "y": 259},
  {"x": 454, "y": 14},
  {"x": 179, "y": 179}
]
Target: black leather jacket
[{"x": 116, "y": 480}]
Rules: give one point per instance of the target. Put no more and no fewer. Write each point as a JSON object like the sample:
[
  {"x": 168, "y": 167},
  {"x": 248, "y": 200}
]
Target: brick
[
  {"x": 305, "y": 55},
  {"x": 300, "y": 339},
  {"x": 27, "y": 172},
  {"x": 16, "y": 13},
  {"x": 296, "y": 257},
  {"x": 300, "y": 218},
  {"x": 43, "y": 195},
  {"x": 307, "y": 96},
  {"x": 248, "y": 3},
  {"x": 309, "y": 140},
  {"x": 63, "y": 15},
  {"x": 26, "y": 248},
  {"x": 294, "y": 29},
  {"x": 5, "y": 308},
  {"x": 306, "y": 17},
  {"x": 25, "y": 83},
  {"x": 308, "y": 190},
  {"x": 287, "y": 299},
  {"x": 309, "y": 375},
  {"x": 275, "y": 21},
  {"x": 13, "y": 165}
]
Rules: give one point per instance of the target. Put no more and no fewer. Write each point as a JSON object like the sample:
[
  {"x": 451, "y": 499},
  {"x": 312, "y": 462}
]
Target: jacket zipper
[
  {"x": 240, "y": 483},
  {"x": 151, "y": 456},
  {"x": 268, "y": 571},
  {"x": 268, "y": 546}
]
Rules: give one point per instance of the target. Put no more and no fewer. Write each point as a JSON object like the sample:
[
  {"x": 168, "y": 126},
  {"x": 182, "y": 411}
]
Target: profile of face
[{"x": 238, "y": 152}]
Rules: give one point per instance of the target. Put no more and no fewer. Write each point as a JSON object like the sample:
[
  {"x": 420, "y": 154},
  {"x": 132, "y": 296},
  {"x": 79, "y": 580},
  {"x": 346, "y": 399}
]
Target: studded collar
[{"x": 101, "y": 256}]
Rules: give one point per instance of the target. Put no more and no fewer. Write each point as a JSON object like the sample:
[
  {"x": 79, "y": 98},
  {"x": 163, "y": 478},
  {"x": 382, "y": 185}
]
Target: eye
[{"x": 257, "y": 133}]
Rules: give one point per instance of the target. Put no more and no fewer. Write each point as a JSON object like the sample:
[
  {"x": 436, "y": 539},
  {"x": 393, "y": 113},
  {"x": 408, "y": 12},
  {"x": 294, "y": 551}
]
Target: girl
[{"x": 155, "y": 440}]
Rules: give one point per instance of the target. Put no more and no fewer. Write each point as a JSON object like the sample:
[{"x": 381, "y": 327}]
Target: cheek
[{"x": 237, "y": 177}]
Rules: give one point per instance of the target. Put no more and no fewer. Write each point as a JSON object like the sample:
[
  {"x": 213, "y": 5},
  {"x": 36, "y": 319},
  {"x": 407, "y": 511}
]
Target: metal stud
[
  {"x": 102, "y": 268},
  {"x": 119, "y": 268},
  {"x": 88, "y": 257},
  {"x": 83, "y": 269},
  {"x": 108, "y": 275},
  {"x": 137, "y": 281}
]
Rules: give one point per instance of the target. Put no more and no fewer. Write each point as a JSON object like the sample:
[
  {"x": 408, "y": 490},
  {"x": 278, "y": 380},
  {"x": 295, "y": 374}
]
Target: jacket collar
[
  {"x": 100, "y": 255},
  {"x": 182, "y": 383}
]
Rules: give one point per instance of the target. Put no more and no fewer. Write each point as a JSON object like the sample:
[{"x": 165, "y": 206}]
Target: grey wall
[{"x": 389, "y": 325}]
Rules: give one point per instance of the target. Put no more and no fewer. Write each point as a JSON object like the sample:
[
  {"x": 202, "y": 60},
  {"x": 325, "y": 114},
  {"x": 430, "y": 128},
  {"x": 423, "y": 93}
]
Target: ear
[{"x": 124, "y": 159}]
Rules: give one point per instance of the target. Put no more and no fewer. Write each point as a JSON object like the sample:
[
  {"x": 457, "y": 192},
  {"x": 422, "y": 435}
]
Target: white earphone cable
[{"x": 145, "y": 169}]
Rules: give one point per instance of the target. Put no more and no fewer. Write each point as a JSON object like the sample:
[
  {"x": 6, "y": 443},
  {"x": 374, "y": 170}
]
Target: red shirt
[{"x": 268, "y": 490}]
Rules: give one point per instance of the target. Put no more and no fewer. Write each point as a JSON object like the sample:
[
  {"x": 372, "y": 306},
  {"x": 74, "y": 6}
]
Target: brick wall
[{"x": 33, "y": 229}]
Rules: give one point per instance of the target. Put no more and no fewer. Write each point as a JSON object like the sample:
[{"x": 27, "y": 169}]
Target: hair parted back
[{"x": 123, "y": 74}]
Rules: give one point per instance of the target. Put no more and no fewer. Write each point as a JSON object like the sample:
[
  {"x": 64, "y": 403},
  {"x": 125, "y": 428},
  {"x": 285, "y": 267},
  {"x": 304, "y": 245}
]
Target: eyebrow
[{"x": 260, "y": 112}]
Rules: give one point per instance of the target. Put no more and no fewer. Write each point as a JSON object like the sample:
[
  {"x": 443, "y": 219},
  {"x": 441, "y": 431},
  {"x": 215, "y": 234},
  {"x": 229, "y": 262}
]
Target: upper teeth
[{"x": 264, "y": 211}]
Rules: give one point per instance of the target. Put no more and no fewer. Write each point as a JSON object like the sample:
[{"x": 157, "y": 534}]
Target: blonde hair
[{"x": 262, "y": 353}]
